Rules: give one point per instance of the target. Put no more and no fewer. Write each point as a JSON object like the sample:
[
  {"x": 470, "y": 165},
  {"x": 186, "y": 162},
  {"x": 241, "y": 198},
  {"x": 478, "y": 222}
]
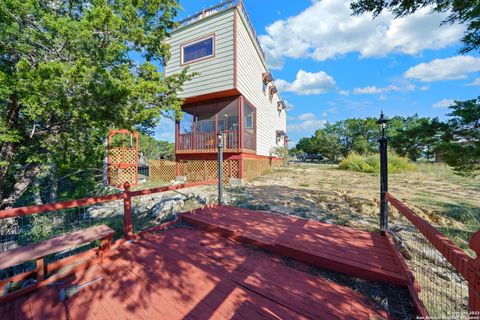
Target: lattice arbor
[{"x": 122, "y": 157}]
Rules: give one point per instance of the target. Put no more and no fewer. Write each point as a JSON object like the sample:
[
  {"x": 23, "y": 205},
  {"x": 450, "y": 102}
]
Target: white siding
[
  {"x": 249, "y": 81},
  {"x": 215, "y": 74}
]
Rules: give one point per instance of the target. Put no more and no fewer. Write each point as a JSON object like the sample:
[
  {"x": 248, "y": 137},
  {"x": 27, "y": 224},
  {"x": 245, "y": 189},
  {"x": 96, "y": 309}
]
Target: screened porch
[{"x": 235, "y": 118}]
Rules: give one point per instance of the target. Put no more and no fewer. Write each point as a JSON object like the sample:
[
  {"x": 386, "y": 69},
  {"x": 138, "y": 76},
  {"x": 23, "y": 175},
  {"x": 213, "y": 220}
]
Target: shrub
[{"x": 371, "y": 164}]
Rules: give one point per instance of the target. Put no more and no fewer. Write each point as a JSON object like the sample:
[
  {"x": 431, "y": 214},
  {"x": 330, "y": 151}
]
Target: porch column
[{"x": 240, "y": 123}]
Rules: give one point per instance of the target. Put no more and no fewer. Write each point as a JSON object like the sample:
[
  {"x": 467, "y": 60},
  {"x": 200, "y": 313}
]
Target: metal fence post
[
  {"x": 383, "y": 175},
  {"x": 220, "y": 169},
  {"x": 127, "y": 212}
]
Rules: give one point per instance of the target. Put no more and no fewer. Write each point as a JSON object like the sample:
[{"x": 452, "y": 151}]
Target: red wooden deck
[
  {"x": 185, "y": 273},
  {"x": 347, "y": 250}
]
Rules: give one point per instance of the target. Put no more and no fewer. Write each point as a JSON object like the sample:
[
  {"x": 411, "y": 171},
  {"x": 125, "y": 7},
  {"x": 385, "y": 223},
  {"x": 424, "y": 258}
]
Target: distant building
[{"x": 233, "y": 92}]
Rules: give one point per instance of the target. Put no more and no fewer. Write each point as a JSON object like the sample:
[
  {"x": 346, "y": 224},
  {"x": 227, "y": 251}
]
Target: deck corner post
[
  {"x": 220, "y": 169},
  {"x": 383, "y": 148},
  {"x": 127, "y": 212},
  {"x": 474, "y": 276}
]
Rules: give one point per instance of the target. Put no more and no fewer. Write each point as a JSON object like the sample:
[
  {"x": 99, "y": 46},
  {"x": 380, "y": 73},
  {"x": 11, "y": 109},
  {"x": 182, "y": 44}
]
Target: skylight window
[{"x": 199, "y": 50}]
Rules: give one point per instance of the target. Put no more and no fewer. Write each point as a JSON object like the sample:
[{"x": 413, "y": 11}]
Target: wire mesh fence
[
  {"x": 444, "y": 291},
  {"x": 28, "y": 229}
]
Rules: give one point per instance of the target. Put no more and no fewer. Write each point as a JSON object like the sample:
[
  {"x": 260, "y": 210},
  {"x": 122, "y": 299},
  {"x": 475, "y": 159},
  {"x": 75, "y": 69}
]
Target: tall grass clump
[{"x": 371, "y": 164}]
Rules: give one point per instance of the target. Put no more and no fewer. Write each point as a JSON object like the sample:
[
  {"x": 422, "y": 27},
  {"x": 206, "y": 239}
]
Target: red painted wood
[
  {"x": 184, "y": 273},
  {"x": 286, "y": 285},
  {"x": 468, "y": 267},
  {"x": 338, "y": 249},
  {"x": 23, "y": 211},
  {"x": 127, "y": 212},
  {"x": 171, "y": 188},
  {"x": 30, "y": 252},
  {"x": 45, "y": 304}
]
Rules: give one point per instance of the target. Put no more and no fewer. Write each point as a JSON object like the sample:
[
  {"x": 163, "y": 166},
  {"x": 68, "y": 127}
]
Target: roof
[{"x": 218, "y": 9}]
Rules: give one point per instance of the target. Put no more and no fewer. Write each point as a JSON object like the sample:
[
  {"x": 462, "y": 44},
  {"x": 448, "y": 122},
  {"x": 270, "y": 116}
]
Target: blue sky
[{"x": 331, "y": 66}]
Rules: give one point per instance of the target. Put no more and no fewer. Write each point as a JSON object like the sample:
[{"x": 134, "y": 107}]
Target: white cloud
[
  {"x": 307, "y": 126},
  {"x": 343, "y": 92},
  {"x": 327, "y": 29},
  {"x": 453, "y": 68},
  {"x": 308, "y": 83},
  {"x": 369, "y": 90},
  {"x": 475, "y": 82},
  {"x": 405, "y": 87},
  {"x": 424, "y": 88},
  {"x": 306, "y": 116},
  {"x": 443, "y": 104}
]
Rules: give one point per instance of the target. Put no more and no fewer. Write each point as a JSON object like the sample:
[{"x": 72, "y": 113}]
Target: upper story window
[{"x": 199, "y": 50}]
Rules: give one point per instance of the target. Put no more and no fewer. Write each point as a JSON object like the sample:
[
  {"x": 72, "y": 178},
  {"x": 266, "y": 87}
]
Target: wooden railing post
[
  {"x": 474, "y": 277},
  {"x": 127, "y": 212}
]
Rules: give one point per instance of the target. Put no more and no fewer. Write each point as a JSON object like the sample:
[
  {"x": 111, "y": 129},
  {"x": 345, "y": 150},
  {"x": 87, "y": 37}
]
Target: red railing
[
  {"x": 185, "y": 141},
  {"x": 125, "y": 196},
  {"x": 231, "y": 140},
  {"x": 207, "y": 141},
  {"x": 85, "y": 258},
  {"x": 468, "y": 267}
]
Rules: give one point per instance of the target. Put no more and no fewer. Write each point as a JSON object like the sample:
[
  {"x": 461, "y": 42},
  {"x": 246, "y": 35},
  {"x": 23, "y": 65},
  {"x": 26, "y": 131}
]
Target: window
[
  {"x": 249, "y": 114},
  {"x": 198, "y": 50}
]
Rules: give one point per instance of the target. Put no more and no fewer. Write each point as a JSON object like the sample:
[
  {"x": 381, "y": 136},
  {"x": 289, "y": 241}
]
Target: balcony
[{"x": 197, "y": 131}]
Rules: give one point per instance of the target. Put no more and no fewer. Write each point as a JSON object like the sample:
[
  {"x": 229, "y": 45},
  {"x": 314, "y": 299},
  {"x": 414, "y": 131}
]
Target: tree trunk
[
  {"x": 29, "y": 174},
  {"x": 37, "y": 195},
  {"x": 7, "y": 149},
  {"x": 53, "y": 183}
]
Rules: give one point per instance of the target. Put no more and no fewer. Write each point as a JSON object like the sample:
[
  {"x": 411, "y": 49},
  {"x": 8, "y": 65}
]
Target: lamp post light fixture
[{"x": 383, "y": 121}]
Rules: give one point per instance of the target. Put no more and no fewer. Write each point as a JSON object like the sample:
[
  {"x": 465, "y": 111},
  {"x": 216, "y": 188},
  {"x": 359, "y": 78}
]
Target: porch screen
[{"x": 249, "y": 127}]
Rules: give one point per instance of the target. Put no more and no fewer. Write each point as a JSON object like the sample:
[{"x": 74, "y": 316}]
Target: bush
[{"x": 371, "y": 164}]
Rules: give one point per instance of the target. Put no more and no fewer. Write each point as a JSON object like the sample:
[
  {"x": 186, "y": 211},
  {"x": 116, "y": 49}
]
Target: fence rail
[
  {"x": 437, "y": 256},
  {"x": 30, "y": 224}
]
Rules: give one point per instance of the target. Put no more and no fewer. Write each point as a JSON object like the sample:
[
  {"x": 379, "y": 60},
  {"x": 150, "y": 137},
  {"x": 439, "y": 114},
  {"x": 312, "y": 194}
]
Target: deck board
[
  {"x": 354, "y": 252},
  {"x": 187, "y": 273}
]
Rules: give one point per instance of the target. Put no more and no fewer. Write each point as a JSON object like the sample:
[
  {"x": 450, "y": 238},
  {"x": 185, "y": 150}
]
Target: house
[{"x": 233, "y": 92}]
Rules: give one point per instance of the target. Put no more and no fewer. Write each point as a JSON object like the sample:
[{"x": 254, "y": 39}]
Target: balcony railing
[{"x": 208, "y": 141}]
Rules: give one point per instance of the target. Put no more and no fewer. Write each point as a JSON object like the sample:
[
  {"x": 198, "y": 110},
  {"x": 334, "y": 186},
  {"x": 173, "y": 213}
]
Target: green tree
[
  {"x": 67, "y": 75},
  {"x": 417, "y": 137},
  {"x": 460, "y": 11},
  {"x": 460, "y": 145},
  {"x": 327, "y": 144},
  {"x": 356, "y": 135},
  {"x": 306, "y": 145},
  {"x": 152, "y": 148}
]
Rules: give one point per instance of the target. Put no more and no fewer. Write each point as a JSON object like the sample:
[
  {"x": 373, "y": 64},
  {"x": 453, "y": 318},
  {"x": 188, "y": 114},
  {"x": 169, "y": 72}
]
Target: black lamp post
[
  {"x": 220, "y": 168},
  {"x": 382, "y": 121}
]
